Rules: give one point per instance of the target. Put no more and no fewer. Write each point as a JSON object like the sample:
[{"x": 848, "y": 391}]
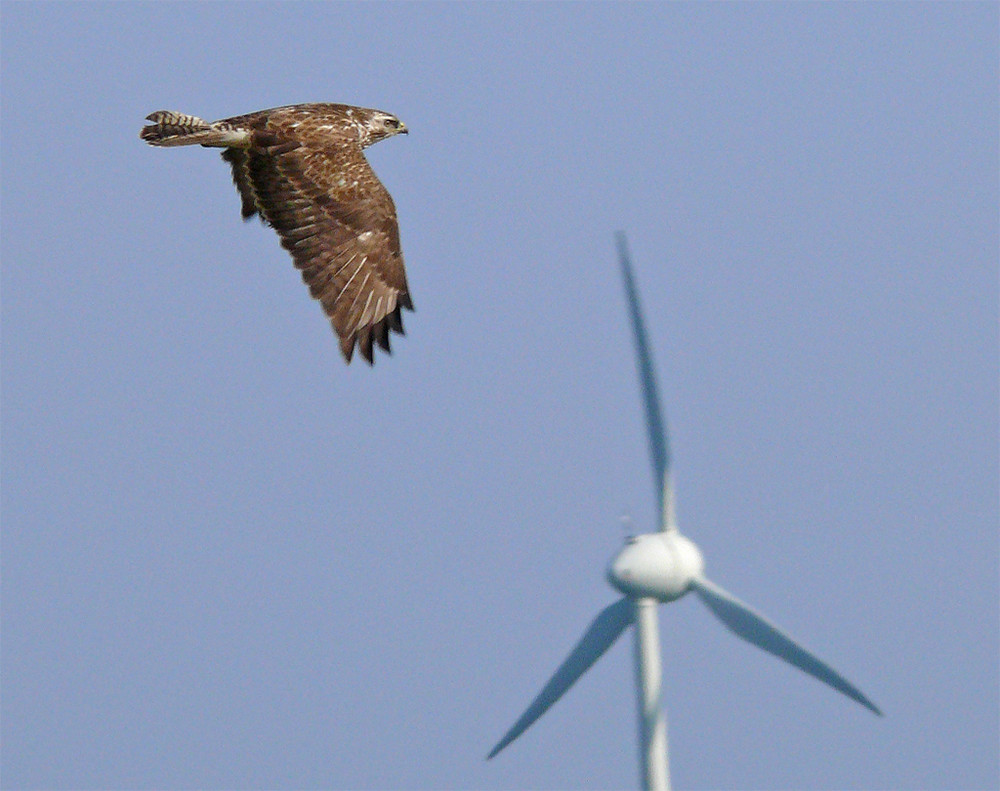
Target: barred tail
[{"x": 177, "y": 129}]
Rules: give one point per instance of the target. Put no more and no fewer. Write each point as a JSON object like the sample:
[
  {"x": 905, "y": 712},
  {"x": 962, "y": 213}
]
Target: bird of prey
[{"x": 302, "y": 169}]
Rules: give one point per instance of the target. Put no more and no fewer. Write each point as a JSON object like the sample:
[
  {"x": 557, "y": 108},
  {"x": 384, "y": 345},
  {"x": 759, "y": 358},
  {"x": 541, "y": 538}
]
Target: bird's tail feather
[{"x": 177, "y": 129}]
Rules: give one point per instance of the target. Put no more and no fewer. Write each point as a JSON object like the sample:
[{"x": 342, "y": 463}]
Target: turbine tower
[{"x": 657, "y": 568}]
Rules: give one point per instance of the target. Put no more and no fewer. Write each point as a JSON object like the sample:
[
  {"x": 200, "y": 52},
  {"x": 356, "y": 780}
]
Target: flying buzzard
[{"x": 303, "y": 170}]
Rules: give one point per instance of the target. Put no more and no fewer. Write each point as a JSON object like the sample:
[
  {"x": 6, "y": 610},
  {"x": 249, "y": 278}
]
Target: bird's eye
[{"x": 391, "y": 122}]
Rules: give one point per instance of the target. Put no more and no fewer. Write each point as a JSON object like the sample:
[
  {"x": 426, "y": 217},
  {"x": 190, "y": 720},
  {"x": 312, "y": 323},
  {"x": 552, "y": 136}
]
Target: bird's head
[{"x": 379, "y": 125}]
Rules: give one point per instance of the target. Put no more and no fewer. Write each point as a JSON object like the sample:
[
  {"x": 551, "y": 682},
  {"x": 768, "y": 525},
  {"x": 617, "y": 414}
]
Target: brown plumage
[{"x": 303, "y": 170}]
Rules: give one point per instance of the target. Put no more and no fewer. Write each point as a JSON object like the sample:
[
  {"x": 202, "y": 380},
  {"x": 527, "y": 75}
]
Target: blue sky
[{"x": 230, "y": 561}]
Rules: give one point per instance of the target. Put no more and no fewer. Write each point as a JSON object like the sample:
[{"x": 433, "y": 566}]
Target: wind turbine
[{"x": 662, "y": 567}]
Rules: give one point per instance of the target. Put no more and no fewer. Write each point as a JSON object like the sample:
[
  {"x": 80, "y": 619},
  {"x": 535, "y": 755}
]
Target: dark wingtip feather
[
  {"x": 347, "y": 347},
  {"x": 365, "y": 345},
  {"x": 396, "y": 321},
  {"x": 381, "y": 332}
]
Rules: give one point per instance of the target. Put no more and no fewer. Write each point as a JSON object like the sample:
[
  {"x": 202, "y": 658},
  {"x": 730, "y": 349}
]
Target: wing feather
[{"x": 237, "y": 158}]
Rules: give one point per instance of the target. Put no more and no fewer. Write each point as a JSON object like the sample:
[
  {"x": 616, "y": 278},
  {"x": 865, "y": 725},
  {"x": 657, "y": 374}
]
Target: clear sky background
[{"x": 229, "y": 561}]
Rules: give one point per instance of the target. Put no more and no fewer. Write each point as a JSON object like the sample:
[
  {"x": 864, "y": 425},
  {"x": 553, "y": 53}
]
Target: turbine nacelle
[{"x": 661, "y": 566}]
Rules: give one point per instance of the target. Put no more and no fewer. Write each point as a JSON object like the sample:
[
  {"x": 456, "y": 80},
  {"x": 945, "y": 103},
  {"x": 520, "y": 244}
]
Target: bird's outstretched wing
[{"x": 317, "y": 190}]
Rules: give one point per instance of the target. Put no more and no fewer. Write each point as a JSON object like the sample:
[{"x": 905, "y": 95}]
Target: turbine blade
[
  {"x": 599, "y": 637},
  {"x": 656, "y": 427},
  {"x": 756, "y": 629}
]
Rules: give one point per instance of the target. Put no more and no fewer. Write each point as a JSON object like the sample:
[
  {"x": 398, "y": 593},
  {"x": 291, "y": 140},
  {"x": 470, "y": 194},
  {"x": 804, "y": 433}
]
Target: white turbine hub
[{"x": 657, "y": 565}]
